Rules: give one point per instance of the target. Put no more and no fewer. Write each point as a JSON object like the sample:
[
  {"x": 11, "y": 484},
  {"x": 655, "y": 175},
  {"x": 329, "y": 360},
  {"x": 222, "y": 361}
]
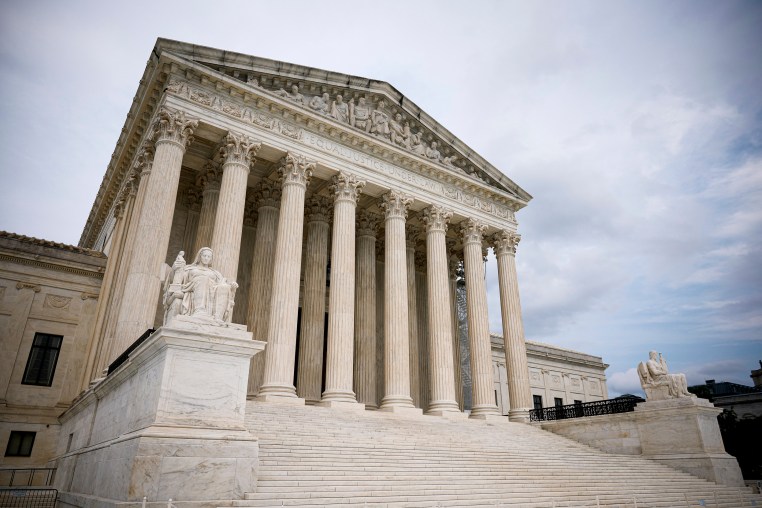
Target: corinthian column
[
  {"x": 310, "y": 375},
  {"x": 280, "y": 352},
  {"x": 237, "y": 151},
  {"x": 209, "y": 181},
  {"x": 442, "y": 377},
  {"x": 396, "y": 333},
  {"x": 412, "y": 317},
  {"x": 422, "y": 303},
  {"x": 267, "y": 198},
  {"x": 483, "y": 402},
  {"x": 365, "y": 312},
  {"x": 172, "y": 132},
  {"x": 453, "y": 263},
  {"x": 341, "y": 310},
  {"x": 519, "y": 392}
]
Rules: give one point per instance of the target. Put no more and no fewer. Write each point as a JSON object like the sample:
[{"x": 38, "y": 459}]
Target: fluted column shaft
[
  {"x": 412, "y": 321},
  {"x": 262, "y": 266},
  {"x": 237, "y": 151},
  {"x": 422, "y": 295},
  {"x": 519, "y": 391},
  {"x": 310, "y": 376},
  {"x": 341, "y": 310},
  {"x": 209, "y": 180},
  {"x": 142, "y": 287},
  {"x": 396, "y": 333},
  {"x": 296, "y": 172},
  {"x": 478, "y": 322},
  {"x": 365, "y": 311},
  {"x": 441, "y": 375},
  {"x": 452, "y": 265}
]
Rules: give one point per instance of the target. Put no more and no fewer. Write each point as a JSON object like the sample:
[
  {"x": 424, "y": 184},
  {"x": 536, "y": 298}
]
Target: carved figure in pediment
[
  {"x": 359, "y": 115},
  {"x": 253, "y": 81},
  {"x": 416, "y": 144},
  {"x": 293, "y": 96},
  {"x": 320, "y": 104},
  {"x": 399, "y": 134},
  {"x": 380, "y": 121},
  {"x": 202, "y": 291},
  {"x": 658, "y": 383},
  {"x": 432, "y": 152},
  {"x": 449, "y": 161},
  {"x": 340, "y": 110}
]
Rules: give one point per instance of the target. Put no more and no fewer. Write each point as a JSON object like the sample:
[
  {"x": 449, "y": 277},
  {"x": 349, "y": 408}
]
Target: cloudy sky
[{"x": 636, "y": 126}]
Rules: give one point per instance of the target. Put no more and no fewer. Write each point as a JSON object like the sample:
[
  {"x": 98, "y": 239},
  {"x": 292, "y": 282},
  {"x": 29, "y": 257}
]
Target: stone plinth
[{"x": 177, "y": 405}]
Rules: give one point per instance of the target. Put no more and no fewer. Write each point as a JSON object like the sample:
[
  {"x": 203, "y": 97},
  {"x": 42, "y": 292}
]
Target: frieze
[{"x": 266, "y": 121}]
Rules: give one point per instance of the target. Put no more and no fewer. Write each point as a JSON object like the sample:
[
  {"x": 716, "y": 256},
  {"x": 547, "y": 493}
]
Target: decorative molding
[
  {"x": 346, "y": 187},
  {"x": 89, "y": 296},
  {"x": 28, "y": 285},
  {"x": 56, "y": 302},
  {"x": 296, "y": 169},
  {"x": 395, "y": 204},
  {"x": 98, "y": 273},
  {"x": 173, "y": 127}
]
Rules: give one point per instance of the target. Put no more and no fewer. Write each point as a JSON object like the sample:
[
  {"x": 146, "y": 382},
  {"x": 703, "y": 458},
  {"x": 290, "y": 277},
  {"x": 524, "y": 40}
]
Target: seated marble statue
[
  {"x": 658, "y": 383},
  {"x": 198, "y": 290}
]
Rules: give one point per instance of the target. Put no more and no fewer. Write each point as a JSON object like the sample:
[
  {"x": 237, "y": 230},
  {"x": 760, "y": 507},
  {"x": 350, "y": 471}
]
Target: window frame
[
  {"x": 43, "y": 352},
  {"x": 21, "y": 435}
]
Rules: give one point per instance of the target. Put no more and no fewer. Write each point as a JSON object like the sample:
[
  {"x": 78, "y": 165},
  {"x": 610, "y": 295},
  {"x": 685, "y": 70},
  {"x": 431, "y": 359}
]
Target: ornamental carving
[
  {"x": 412, "y": 235},
  {"x": 296, "y": 169},
  {"x": 56, "y": 302},
  {"x": 89, "y": 296},
  {"x": 436, "y": 218},
  {"x": 238, "y": 149},
  {"x": 367, "y": 223},
  {"x": 395, "y": 204},
  {"x": 267, "y": 194},
  {"x": 472, "y": 231},
  {"x": 28, "y": 285},
  {"x": 250, "y": 214},
  {"x": 209, "y": 178},
  {"x": 144, "y": 161},
  {"x": 420, "y": 262},
  {"x": 192, "y": 198},
  {"x": 505, "y": 242},
  {"x": 346, "y": 187},
  {"x": 174, "y": 126},
  {"x": 318, "y": 209}
]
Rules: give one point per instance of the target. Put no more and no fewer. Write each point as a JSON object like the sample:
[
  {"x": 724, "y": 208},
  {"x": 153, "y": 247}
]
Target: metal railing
[
  {"x": 28, "y": 477},
  {"x": 28, "y": 498},
  {"x": 597, "y": 408}
]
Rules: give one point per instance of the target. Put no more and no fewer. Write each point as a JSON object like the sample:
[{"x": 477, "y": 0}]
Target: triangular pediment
[{"x": 369, "y": 106}]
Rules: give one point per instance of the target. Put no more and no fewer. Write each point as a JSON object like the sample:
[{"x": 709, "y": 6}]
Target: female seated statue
[{"x": 199, "y": 291}]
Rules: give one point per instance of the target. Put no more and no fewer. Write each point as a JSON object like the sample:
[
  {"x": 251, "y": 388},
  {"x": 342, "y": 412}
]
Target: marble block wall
[
  {"x": 681, "y": 433},
  {"x": 169, "y": 423}
]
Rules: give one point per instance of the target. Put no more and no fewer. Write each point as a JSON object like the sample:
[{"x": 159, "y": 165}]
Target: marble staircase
[{"x": 315, "y": 456}]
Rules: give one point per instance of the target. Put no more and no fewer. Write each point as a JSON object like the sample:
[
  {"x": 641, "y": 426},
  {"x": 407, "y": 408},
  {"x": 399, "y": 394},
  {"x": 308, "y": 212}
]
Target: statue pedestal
[
  {"x": 683, "y": 433},
  {"x": 168, "y": 423}
]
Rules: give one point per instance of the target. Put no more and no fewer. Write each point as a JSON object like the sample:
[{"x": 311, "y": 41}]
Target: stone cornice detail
[
  {"x": 472, "y": 231},
  {"x": 505, "y": 242},
  {"x": 395, "y": 204},
  {"x": 346, "y": 187},
  {"x": 318, "y": 209},
  {"x": 296, "y": 169},
  {"x": 367, "y": 223},
  {"x": 238, "y": 149},
  {"x": 436, "y": 218}
]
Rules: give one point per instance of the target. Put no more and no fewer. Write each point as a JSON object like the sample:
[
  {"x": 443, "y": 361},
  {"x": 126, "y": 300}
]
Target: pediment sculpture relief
[
  {"x": 198, "y": 291},
  {"x": 658, "y": 383}
]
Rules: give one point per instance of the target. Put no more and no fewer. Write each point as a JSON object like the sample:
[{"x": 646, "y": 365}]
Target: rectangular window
[
  {"x": 558, "y": 402},
  {"x": 578, "y": 402},
  {"x": 537, "y": 401},
  {"x": 42, "y": 360},
  {"x": 20, "y": 444}
]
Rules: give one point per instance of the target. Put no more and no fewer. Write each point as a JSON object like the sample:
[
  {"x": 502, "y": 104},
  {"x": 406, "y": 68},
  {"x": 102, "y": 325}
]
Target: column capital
[
  {"x": 318, "y": 209},
  {"x": 121, "y": 203},
  {"x": 412, "y": 235},
  {"x": 436, "y": 218},
  {"x": 143, "y": 161},
  {"x": 395, "y": 204},
  {"x": 209, "y": 177},
  {"x": 238, "y": 149},
  {"x": 192, "y": 198},
  {"x": 505, "y": 242},
  {"x": 472, "y": 231},
  {"x": 367, "y": 223},
  {"x": 267, "y": 194},
  {"x": 173, "y": 127},
  {"x": 346, "y": 187},
  {"x": 250, "y": 214},
  {"x": 296, "y": 169},
  {"x": 420, "y": 261}
]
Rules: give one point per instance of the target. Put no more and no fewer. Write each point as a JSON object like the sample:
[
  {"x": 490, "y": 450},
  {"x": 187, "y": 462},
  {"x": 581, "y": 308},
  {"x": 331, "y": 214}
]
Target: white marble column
[
  {"x": 173, "y": 132},
  {"x": 280, "y": 353},
  {"x": 237, "y": 152},
  {"x": 267, "y": 199},
  {"x": 193, "y": 203},
  {"x": 341, "y": 310},
  {"x": 310, "y": 371},
  {"x": 209, "y": 181},
  {"x": 396, "y": 334},
  {"x": 365, "y": 311},
  {"x": 412, "y": 316},
  {"x": 483, "y": 401},
  {"x": 452, "y": 265},
  {"x": 519, "y": 391},
  {"x": 248, "y": 239},
  {"x": 442, "y": 376},
  {"x": 422, "y": 295},
  {"x": 380, "y": 301}
]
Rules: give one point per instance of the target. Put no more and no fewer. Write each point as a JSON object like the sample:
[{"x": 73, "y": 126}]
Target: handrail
[
  {"x": 47, "y": 474},
  {"x": 596, "y": 408}
]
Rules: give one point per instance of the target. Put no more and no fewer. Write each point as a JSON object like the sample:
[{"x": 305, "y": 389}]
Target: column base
[
  {"x": 520, "y": 415},
  {"x": 292, "y": 400},
  {"x": 443, "y": 406},
  {"x": 399, "y": 410},
  {"x": 489, "y": 412},
  {"x": 448, "y": 415},
  {"x": 343, "y": 405}
]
